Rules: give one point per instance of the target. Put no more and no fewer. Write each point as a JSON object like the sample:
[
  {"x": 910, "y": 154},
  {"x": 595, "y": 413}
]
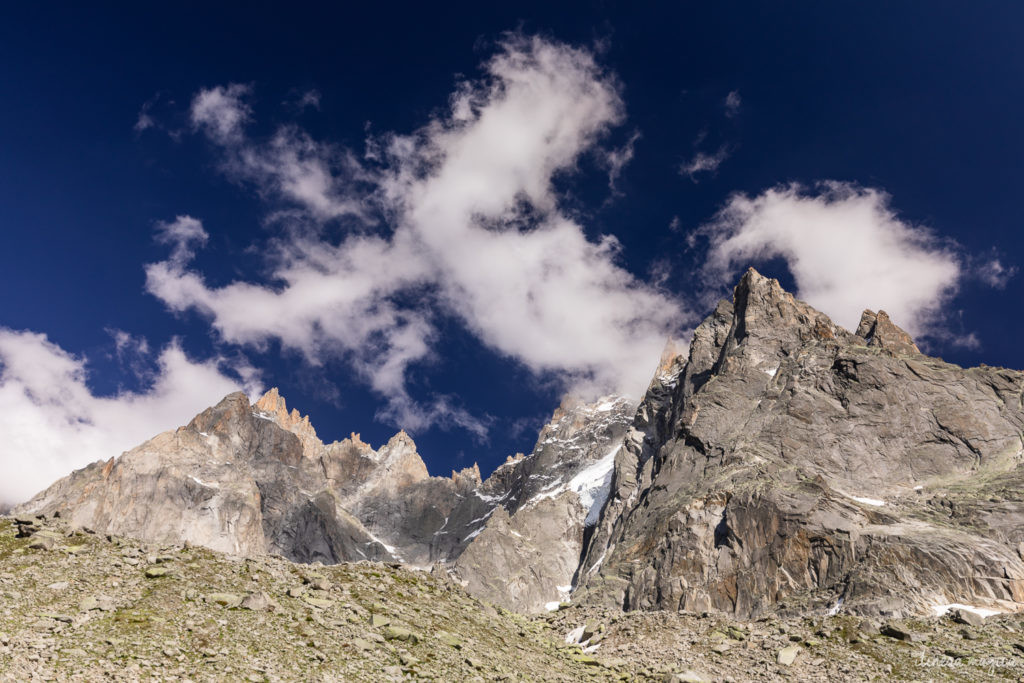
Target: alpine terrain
[{"x": 788, "y": 493}]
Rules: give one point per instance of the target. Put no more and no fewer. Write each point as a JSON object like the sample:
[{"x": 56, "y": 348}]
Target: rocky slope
[
  {"x": 255, "y": 479},
  {"x": 78, "y": 606},
  {"x": 786, "y": 465}
]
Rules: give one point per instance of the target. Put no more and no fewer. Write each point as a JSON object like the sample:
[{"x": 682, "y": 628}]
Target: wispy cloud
[
  {"x": 222, "y": 112},
  {"x": 704, "y": 163},
  {"x": 459, "y": 218},
  {"x": 307, "y": 98},
  {"x": 732, "y": 103},
  {"x": 993, "y": 272}
]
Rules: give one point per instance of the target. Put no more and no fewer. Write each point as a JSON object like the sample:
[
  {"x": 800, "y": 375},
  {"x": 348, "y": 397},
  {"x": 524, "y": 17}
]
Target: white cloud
[
  {"x": 846, "y": 249},
  {"x": 704, "y": 163},
  {"x": 184, "y": 234},
  {"x": 617, "y": 159},
  {"x": 309, "y": 98},
  {"x": 144, "y": 121},
  {"x": 994, "y": 273},
  {"x": 732, "y": 103},
  {"x": 222, "y": 112},
  {"x": 316, "y": 178},
  {"x": 470, "y": 226},
  {"x": 53, "y": 423}
]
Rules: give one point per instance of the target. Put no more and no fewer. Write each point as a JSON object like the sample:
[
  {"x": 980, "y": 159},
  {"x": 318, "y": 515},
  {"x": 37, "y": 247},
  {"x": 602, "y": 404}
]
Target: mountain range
[{"x": 779, "y": 464}]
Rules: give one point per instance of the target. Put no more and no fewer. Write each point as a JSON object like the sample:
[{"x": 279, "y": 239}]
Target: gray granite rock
[{"x": 789, "y": 465}]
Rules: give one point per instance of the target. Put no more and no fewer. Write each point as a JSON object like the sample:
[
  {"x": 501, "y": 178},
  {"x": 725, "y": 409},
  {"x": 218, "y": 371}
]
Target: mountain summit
[
  {"x": 787, "y": 464},
  {"x": 779, "y": 464}
]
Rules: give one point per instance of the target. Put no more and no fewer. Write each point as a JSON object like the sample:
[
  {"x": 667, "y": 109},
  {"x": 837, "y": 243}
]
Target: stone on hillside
[
  {"x": 787, "y": 655},
  {"x": 401, "y": 633},
  {"x": 319, "y": 603},
  {"x": 688, "y": 676},
  {"x": 969, "y": 617},
  {"x": 900, "y": 632},
  {"x": 225, "y": 599},
  {"x": 449, "y": 640},
  {"x": 259, "y": 602}
]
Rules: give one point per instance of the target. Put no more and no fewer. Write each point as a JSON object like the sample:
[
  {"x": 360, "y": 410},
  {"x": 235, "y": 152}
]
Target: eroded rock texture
[
  {"x": 787, "y": 464},
  {"x": 255, "y": 479}
]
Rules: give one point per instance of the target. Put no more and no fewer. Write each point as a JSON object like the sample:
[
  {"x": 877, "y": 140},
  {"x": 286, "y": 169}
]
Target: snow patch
[
  {"x": 592, "y": 484},
  {"x": 597, "y": 565},
  {"x": 982, "y": 612},
  {"x": 474, "y": 534},
  {"x": 491, "y": 499},
  {"x": 207, "y": 484},
  {"x": 771, "y": 373},
  {"x": 574, "y": 635},
  {"x": 552, "y": 606},
  {"x": 866, "y": 501},
  {"x": 390, "y": 548},
  {"x": 834, "y": 610}
]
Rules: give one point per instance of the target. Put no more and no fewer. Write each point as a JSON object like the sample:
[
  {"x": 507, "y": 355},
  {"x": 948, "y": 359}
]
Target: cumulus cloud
[
  {"x": 846, "y": 249},
  {"x": 466, "y": 222},
  {"x": 704, "y": 163},
  {"x": 52, "y": 422}
]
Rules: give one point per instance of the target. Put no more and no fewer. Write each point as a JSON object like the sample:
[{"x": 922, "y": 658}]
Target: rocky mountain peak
[
  {"x": 273, "y": 406},
  {"x": 879, "y": 331},
  {"x": 764, "y": 310},
  {"x": 467, "y": 476},
  {"x": 801, "y": 467}
]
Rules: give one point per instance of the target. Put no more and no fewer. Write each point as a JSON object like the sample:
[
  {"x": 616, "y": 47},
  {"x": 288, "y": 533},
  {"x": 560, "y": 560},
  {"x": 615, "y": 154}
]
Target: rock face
[
  {"x": 527, "y": 554},
  {"x": 789, "y": 465},
  {"x": 780, "y": 464},
  {"x": 255, "y": 479}
]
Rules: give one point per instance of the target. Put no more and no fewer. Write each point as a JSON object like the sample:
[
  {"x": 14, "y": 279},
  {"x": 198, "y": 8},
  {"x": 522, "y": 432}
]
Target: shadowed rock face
[{"x": 790, "y": 465}]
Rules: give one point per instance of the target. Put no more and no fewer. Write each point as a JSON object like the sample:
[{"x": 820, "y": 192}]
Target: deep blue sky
[{"x": 922, "y": 100}]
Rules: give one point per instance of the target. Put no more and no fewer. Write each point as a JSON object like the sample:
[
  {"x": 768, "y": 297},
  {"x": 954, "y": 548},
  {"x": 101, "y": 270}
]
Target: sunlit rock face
[
  {"x": 255, "y": 479},
  {"x": 787, "y": 464}
]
